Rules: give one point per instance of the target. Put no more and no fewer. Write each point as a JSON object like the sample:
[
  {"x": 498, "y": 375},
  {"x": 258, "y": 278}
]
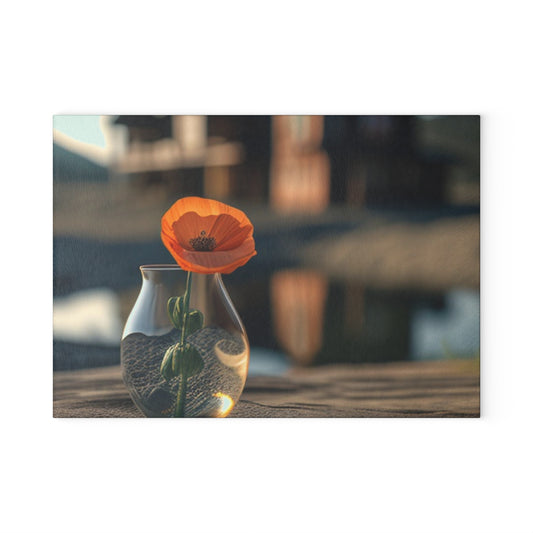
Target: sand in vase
[{"x": 223, "y": 375}]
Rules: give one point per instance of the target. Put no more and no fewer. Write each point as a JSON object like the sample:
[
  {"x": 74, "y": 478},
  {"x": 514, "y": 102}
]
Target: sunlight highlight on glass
[{"x": 226, "y": 404}]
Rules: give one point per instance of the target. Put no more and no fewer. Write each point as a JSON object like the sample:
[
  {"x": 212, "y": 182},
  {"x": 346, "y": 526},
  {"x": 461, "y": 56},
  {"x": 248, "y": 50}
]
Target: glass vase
[{"x": 184, "y": 351}]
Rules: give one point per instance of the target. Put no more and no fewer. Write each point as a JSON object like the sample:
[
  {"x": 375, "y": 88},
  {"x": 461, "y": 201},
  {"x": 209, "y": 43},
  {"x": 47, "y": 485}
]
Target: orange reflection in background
[
  {"x": 298, "y": 307},
  {"x": 300, "y": 170}
]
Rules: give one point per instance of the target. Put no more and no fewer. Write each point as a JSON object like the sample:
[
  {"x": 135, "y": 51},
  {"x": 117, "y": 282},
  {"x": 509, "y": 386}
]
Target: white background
[{"x": 151, "y": 476}]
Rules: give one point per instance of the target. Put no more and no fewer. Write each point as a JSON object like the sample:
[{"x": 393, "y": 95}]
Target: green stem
[
  {"x": 186, "y": 307},
  {"x": 179, "y": 410}
]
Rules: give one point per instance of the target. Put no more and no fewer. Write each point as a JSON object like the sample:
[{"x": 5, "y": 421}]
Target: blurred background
[{"x": 366, "y": 228}]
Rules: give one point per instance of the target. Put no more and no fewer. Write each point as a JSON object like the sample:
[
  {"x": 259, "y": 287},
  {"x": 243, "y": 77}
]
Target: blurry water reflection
[
  {"x": 295, "y": 317},
  {"x": 298, "y": 304},
  {"x": 91, "y": 316},
  {"x": 453, "y": 331}
]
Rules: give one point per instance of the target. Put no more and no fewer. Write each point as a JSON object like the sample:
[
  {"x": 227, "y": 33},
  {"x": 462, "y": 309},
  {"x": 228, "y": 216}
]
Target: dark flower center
[{"x": 202, "y": 243}]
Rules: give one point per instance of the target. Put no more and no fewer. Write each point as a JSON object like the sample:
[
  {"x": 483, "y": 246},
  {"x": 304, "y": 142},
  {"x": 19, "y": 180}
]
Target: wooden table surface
[{"x": 408, "y": 389}]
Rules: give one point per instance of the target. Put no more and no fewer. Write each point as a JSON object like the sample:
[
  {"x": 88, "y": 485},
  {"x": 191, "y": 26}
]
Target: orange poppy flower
[{"x": 207, "y": 236}]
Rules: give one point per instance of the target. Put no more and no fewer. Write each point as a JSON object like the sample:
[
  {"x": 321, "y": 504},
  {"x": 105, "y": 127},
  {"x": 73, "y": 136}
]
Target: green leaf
[
  {"x": 166, "y": 364},
  {"x": 186, "y": 361},
  {"x": 177, "y": 315},
  {"x": 173, "y": 311},
  {"x": 195, "y": 322},
  {"x": 170, "y": 305}
]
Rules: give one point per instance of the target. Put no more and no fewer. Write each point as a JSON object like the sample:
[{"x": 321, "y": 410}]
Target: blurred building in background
[
  {"x": 303, "y": 163},
  {"x": 300, "y": 173},
  {"x": 218, "y": 157}
]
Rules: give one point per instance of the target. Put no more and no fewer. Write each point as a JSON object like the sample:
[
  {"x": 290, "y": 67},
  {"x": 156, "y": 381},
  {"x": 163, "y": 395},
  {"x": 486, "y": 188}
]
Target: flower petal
[
  {"x": 190, "y": 225},
  {"x": 223, "y": 262},
  {"x": 203, "y": 207},
  {"x": 229, "y": 233},
  {"x": 230, "y": 227},
  {"x": 225, "y": 229}
]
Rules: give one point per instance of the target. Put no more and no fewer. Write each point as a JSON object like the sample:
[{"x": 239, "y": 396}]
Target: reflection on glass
[
  {"x": 298, "y": 304},
  {"x": 226, "y": 403}
]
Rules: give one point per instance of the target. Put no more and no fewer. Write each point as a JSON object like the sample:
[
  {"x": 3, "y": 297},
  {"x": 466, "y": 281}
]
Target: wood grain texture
[{"x": 410, "y": 389}]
